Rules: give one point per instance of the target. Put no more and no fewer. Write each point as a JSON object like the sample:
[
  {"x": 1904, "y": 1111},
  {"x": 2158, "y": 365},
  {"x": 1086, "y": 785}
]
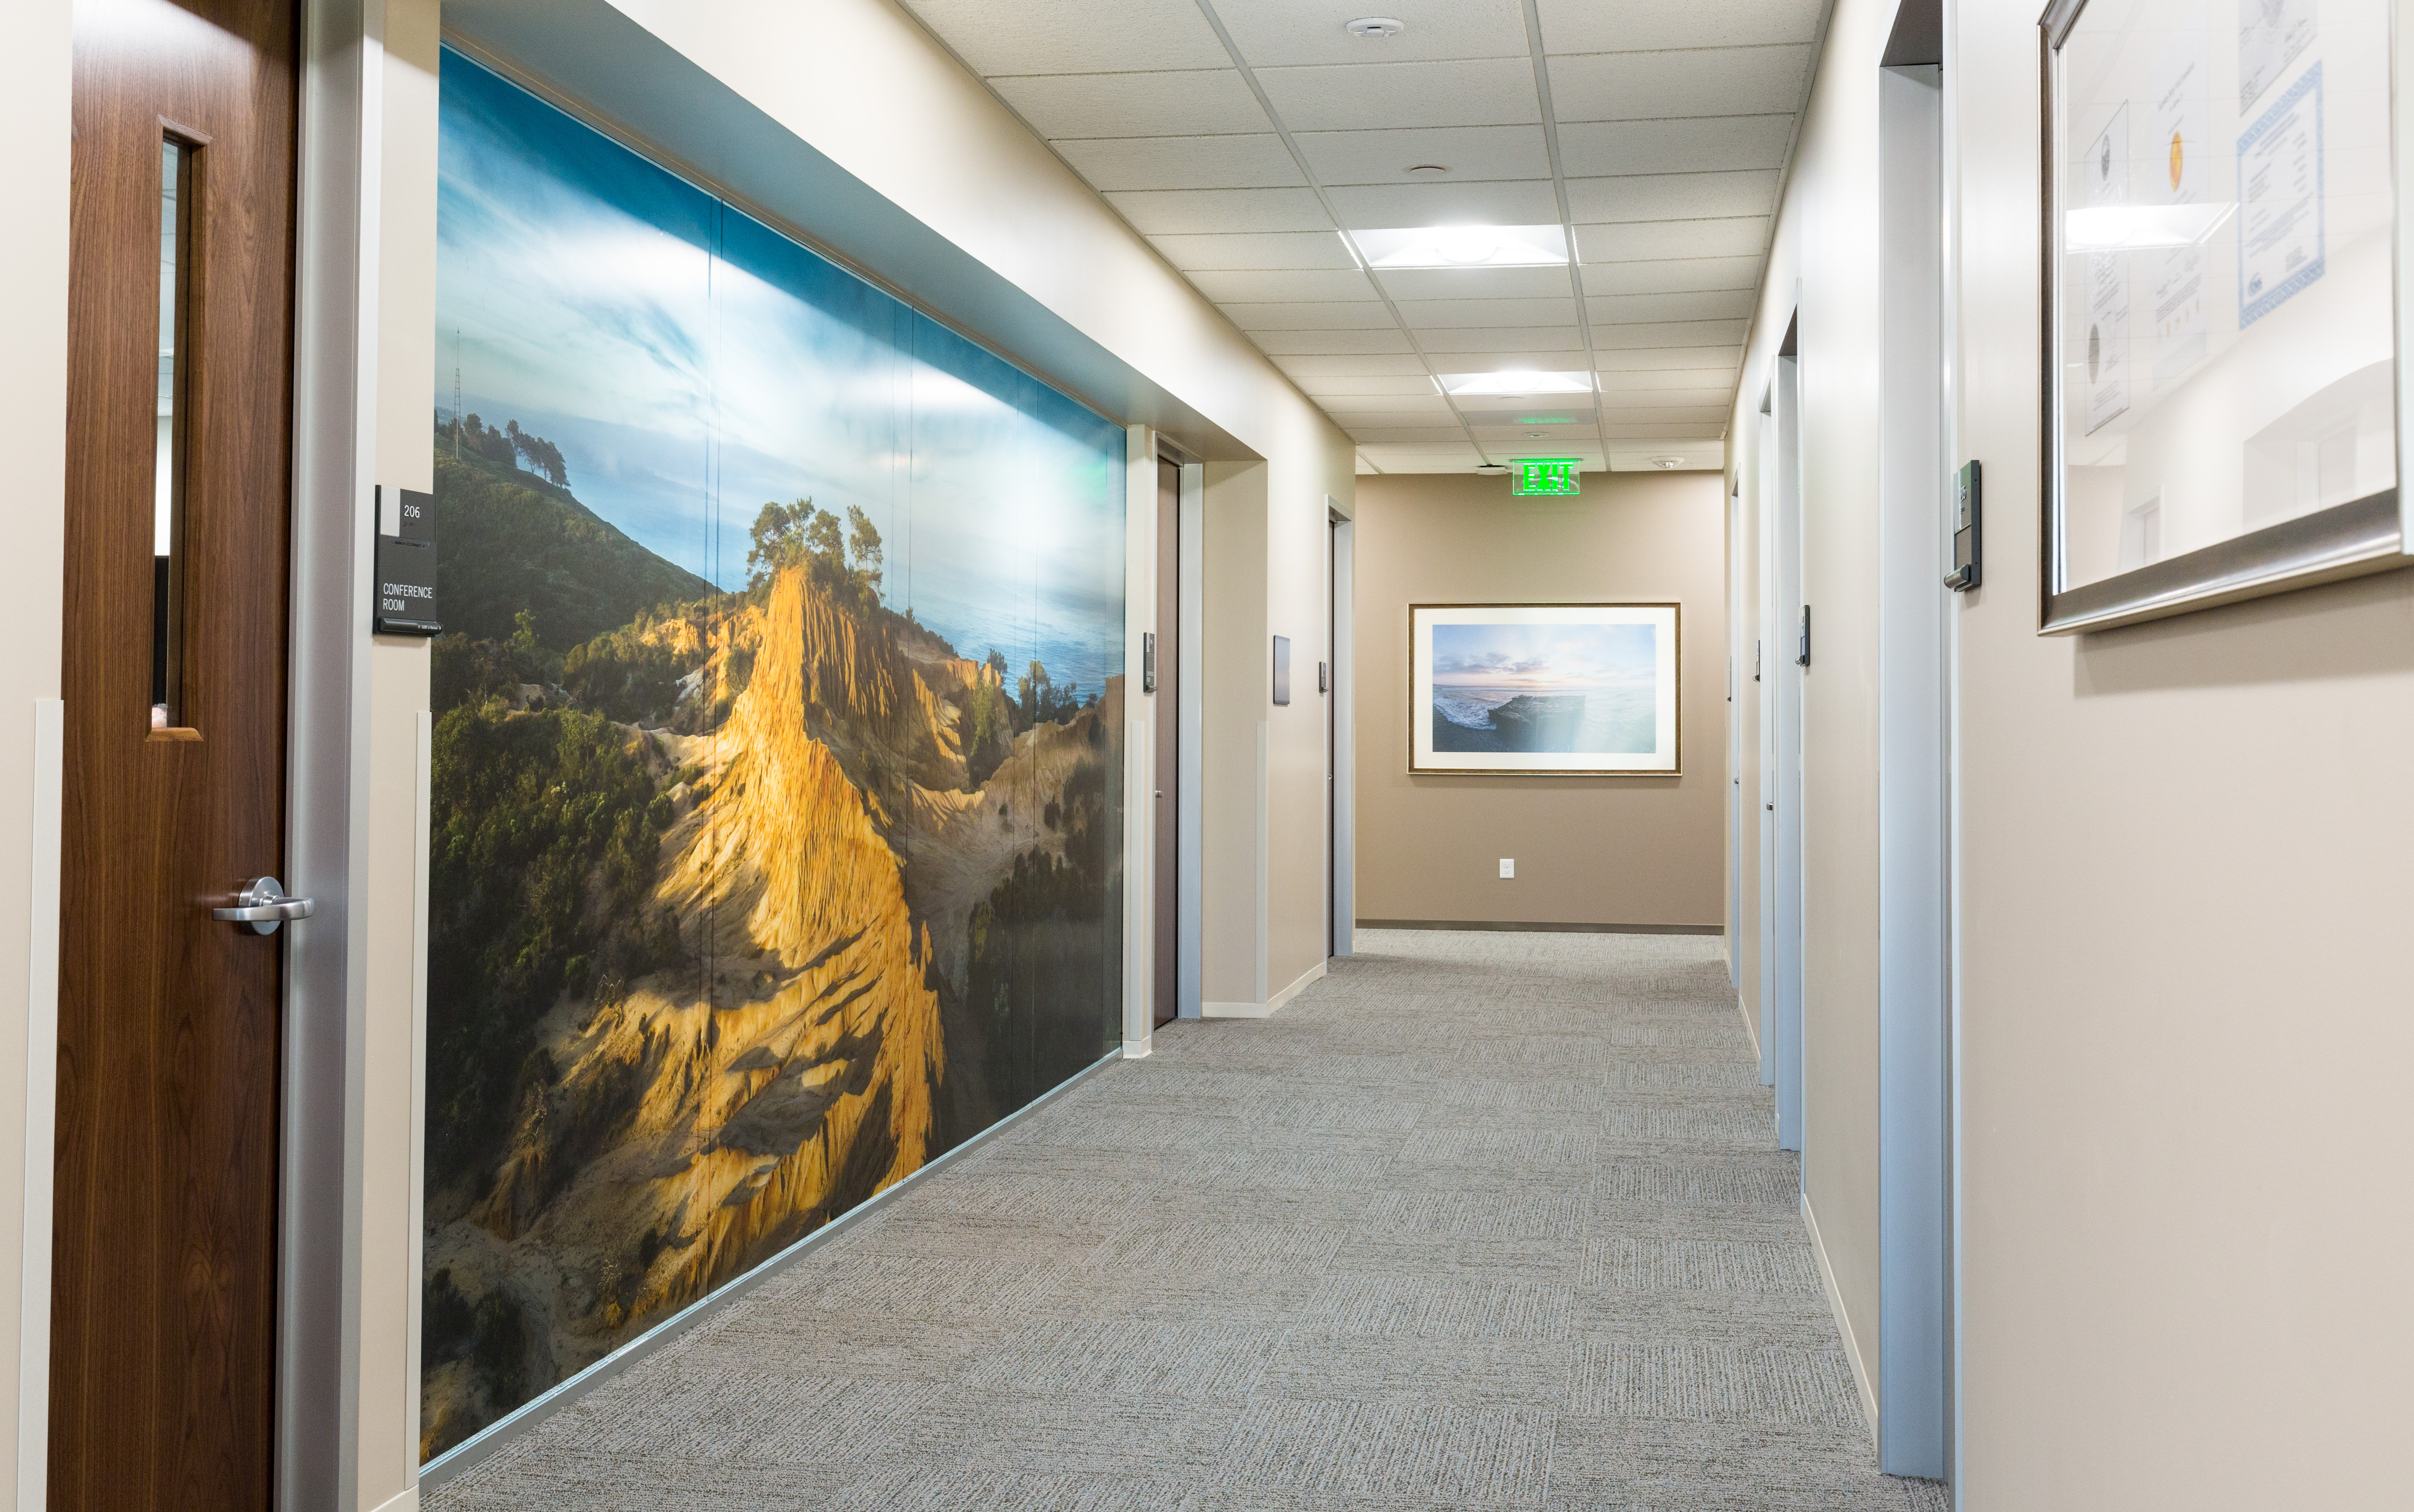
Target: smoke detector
[
  {"x": 1492, "y": 469},
  {"x": 1428, "y": 170},
  {"x": 1375, "y": 26},
  {"x": 1667, "y": 463}
]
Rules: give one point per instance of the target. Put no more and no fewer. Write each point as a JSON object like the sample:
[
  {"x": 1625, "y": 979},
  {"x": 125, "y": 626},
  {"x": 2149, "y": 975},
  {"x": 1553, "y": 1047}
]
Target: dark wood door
[
  {"x": 1168, "y": 933},
  {"x": 179, "y": 442}
]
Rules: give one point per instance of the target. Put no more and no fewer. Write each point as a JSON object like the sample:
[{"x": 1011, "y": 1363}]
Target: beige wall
[
  {"x": 34, "y": 90},
  {"x": 1588, "y": 849},
  {"x": 2184, "y": 1016},
  {"x": 1824, "y": 253},
  {"x": 2182, "y": 869},
  {"x": 385, "y": 1464}
]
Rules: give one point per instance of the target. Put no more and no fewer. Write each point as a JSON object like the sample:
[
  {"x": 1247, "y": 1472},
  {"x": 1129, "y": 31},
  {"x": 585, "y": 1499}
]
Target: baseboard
[
  {"x": 479, "y": 1446},
  {"x": 1265, "y": 1009},
  {"x": 405, "y": 1501},
  {"x": 1751, "y": 1024},
  {"x": 1861, "y": 1381},
  {"x": 1137, "y": 1049},
  {"x": 1515, "y": 924}
]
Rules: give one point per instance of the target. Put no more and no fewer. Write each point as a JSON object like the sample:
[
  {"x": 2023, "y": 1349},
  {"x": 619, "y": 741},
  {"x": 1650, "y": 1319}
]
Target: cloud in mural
[{"x": 692, "y": 366}]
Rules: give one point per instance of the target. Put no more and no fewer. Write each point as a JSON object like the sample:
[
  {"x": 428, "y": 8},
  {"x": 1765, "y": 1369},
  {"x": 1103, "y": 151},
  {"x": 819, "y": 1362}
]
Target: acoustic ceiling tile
[
  {"x": 1508, "y": 358},
  {"x": 1377, "y": 434},
  {"x": 1329, "y": 342},
  {"x": 1673, "y": 196},
  {"x": 1532, "y": 339},
  {"x": 1479, "y": 92},
  {"x": 1273, "y": 250},
  {"x": 1705, "y": 144},
  {"x": 1626, "y": 309},
  {"x": 1670, "y": 275},
  {"x": 1361, "y": 421},
  {"x": 1385, "y": 206},
  {"x": 1671, "y": 334},
  {"x": 1073, "y": 35},
  {"x": 1711, "y": 380},
  {"x": 1445, "y": 313},
  {"x": 1592, "y": 27},
  {"x": 1474, "y": 283},
  {"x": 1273, "y": 287},
  {"x": 1211, "y": 212},
  {"x": 1364, "y": 314},
  {"x": 1705, "y": 432},
  {"x": 1279, "y": 33},
  {"x": 1254, "y": 161},
  {"x": 1311, "y": 369},
  {"x": 1637, "y": 416},
  {"x": 1640, "y": 86},
  {"x": 1472, "y": 154},
  {"x": 1646, "y": 241},
  {"x": 1691, "y": 456},
  {"x": 1186, "y": 104},
  {"x": 1716, "y": 399},
  {"x": 1430, "y": 407},
  {"x": 1670, "y": 359},
  {"x": 1413, "y": 460},
  {"x": 1341, "y": 387}
]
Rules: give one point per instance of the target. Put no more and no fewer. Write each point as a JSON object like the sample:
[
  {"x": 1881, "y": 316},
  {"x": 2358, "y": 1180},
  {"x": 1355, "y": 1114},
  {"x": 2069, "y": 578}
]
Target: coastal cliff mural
[{"x": 776, "y": 796}]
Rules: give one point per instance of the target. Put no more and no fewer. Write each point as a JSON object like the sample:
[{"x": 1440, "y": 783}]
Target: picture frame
[
  {"x": 2222, "y": 319},
  {"x": 1545, "y": 689}
]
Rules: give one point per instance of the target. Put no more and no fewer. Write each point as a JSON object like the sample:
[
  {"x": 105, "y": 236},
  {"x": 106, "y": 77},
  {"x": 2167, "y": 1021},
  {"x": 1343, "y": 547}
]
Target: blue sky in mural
[{"x": 692, "y": 365}]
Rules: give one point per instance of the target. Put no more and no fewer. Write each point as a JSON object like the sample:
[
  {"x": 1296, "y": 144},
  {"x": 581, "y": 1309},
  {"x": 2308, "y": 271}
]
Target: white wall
[{"x": 2181, "y": 878}]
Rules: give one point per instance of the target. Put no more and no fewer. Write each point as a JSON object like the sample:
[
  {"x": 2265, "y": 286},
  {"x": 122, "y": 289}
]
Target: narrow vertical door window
[{"x": 166, "y": 518}]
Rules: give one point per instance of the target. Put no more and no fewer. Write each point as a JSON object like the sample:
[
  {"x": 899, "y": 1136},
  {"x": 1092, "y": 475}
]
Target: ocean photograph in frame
[{"x": 1582, "y": 689}]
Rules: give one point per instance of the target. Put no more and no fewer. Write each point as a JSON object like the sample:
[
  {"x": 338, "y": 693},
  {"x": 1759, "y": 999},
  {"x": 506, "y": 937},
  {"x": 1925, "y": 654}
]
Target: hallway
[{"x": 1481, "y": 1220}]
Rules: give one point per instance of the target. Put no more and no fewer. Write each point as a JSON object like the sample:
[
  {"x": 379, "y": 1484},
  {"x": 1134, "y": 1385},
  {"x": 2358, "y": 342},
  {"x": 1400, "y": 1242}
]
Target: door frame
[
  {"x": 322, "y": 1216},
  {"x": 1341, "y": 818},
  {"x": 1783, "y": 681},
  {"x": 1190, "y": 728},
  {"x": 1915, "y": 858}
]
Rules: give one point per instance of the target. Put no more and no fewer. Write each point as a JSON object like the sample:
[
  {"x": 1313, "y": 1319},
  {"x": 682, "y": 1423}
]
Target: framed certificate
[
  {"x": 2221, "y": 327},
  {"x": 1565, "y": 690}
]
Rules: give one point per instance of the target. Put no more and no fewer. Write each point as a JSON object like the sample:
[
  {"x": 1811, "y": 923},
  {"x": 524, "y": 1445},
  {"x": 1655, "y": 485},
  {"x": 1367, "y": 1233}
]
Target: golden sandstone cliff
[{"x": 829, "y": 852}]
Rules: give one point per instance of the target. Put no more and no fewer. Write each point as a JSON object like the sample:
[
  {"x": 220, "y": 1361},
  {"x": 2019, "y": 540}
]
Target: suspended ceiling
[{"x": 1242, "y": 137}]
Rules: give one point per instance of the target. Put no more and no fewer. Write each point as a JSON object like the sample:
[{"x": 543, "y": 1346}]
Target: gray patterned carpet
[{"x": 1479, "y": 1221}]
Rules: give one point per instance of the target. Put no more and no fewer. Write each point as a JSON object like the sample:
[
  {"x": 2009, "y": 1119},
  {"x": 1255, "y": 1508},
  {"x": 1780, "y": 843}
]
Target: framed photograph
[
  {"x": 2221, "y": 309},
  {"x": 1543, "y": 689}
]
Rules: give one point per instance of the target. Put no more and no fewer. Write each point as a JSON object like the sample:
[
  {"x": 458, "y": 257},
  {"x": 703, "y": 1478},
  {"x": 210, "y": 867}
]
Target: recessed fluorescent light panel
[
  {"x": 1462, "y": 246},
  {"x": 1516, "y": 385}
]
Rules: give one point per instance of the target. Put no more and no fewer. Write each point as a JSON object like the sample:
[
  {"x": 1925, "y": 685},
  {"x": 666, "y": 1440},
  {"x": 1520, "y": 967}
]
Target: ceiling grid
[{"x": 1265, "y": 151}]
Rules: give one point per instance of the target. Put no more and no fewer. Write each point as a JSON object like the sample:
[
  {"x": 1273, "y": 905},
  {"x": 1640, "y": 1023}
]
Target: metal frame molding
[{"x": 2343, "y": 540}]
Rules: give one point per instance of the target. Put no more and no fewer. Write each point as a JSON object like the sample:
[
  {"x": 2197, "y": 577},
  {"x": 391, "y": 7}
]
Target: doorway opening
[
  {"x": 1785, "y": 634},
  {"x": 1915, "y": 708}
]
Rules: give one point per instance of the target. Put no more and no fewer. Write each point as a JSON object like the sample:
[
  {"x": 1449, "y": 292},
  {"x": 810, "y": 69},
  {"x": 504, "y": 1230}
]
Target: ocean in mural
[
  {"x": 777, "y": 806},
  {"x": 1556, "y": 689}
]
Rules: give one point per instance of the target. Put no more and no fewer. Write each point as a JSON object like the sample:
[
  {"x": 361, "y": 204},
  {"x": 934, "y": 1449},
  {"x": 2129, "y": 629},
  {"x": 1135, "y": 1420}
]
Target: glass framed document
[{"x": 2221, "y": 326}]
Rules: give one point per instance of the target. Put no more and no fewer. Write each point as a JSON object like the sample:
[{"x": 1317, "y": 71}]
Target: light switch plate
[{"x": 1508, "y": 866}]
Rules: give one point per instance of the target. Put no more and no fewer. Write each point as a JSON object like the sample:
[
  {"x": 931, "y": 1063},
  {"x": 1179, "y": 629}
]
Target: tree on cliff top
[{"x": 785, "y": 535}]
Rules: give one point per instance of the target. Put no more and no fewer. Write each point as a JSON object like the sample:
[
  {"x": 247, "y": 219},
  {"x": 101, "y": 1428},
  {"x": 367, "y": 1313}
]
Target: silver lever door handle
[{"x": 264, "y": 906}]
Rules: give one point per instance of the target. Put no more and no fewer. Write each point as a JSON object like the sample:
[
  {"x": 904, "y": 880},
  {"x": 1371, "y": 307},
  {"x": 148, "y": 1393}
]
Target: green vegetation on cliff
[{"x": 508, "y": 541}]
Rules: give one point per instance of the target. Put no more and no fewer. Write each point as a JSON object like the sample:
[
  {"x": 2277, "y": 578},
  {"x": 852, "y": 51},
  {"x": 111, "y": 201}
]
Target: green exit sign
[{"x": 1547, "y": 475}]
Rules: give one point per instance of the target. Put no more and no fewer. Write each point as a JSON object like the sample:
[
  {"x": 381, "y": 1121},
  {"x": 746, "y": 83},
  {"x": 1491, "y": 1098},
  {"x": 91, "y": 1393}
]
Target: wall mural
[{"x": 777, "y": 800}]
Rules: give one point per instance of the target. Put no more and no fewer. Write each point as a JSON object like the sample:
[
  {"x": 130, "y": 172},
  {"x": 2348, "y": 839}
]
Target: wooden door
[
  {"x": 179, "y": 444},
  {"x": 1168, "y": 933}
]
